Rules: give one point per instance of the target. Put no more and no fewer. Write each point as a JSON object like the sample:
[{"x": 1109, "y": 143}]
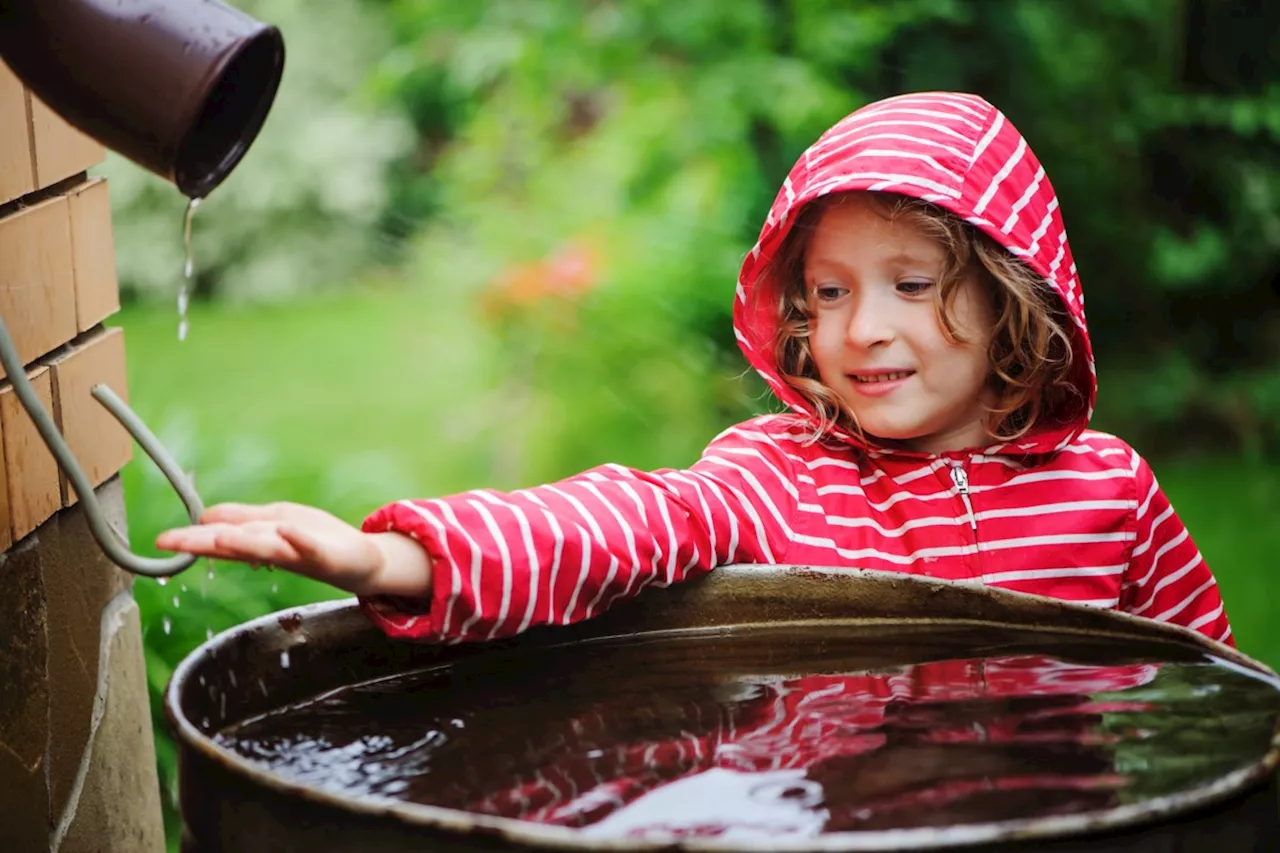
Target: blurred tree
[
  {"x": 488, "y": 134},
  {"x": 674, "y": 123},
  {"x": 301, "y": 212},
  {"x": 1213, "y": 178}
]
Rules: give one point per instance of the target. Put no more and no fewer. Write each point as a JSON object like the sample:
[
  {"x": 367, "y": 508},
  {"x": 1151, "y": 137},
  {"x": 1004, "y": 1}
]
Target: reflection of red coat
[
  {"x": 946, "y": 731},
  {"x": 1064, "y": 511}
]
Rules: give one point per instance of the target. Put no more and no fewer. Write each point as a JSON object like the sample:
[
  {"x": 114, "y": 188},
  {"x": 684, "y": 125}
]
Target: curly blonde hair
[{"x": 1030, "y": 351}]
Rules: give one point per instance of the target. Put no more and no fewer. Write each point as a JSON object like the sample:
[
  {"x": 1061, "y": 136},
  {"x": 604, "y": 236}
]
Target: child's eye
[
  {"x": 914, "y": 287},
  {"x": 828, "y": 292}
]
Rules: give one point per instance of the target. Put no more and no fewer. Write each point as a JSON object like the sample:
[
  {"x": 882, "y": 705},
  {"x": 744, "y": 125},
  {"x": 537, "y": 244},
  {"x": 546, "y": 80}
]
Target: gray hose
[{"x": 108, "y": 538}]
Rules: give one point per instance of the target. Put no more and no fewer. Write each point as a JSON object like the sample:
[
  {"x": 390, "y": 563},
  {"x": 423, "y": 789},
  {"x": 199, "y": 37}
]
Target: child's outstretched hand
[{"x": 308, "y": 541}]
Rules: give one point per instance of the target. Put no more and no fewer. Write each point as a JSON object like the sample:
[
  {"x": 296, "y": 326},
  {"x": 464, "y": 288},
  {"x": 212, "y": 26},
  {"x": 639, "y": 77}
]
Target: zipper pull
[{"x": 960, "y": 477}]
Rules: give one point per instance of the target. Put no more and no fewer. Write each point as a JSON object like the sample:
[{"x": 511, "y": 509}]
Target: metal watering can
[{"x": 180, "y": 87}]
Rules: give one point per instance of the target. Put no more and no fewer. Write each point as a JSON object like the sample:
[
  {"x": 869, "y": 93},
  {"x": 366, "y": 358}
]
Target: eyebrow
[
  {"x": 903, "y": 258},
  {"x": 907, "y": 257}
]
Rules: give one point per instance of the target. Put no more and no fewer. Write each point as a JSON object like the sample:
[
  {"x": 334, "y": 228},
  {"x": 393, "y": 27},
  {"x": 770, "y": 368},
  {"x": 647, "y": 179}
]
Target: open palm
[{"x": 296, "y": 537}]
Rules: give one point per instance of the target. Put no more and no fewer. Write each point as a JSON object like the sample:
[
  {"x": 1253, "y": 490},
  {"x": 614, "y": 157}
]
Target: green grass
[
  {"x": 338, "y": 378},
  {"x": 1232, "y": 508}
]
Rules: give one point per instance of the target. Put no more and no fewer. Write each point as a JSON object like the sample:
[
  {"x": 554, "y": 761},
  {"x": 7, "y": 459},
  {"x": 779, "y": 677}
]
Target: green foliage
[
  {"x": 1229, "y": 506},
  {"x": 302, "y": 210},
  {"x": 674, "y": 123},
  {"x": 494, "y": 132},
  {"x": 647, "y": 138}
]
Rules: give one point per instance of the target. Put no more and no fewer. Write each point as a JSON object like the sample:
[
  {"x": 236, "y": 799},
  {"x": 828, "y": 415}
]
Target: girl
[{"x": 912, "y": 299}]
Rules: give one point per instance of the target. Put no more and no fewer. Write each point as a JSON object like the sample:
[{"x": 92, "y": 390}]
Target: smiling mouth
[{"x": 869, "y": 378}]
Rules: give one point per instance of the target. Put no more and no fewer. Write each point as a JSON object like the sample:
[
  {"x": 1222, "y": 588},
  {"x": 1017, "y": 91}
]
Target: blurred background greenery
[{"x": 493, "y": 243}]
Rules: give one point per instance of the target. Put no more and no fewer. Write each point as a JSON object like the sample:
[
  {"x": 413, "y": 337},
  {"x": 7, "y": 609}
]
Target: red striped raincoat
[{"x": 1066, "y": 512}]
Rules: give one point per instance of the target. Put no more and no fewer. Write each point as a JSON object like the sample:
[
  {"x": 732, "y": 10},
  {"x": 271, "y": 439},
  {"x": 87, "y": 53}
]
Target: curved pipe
[
  {"x": 108, "y": 539},
  {"x": 180, "y": 87}
]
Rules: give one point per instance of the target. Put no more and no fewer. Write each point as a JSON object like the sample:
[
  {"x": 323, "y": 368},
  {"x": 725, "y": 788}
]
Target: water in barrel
[{"x": 782, "y": 732}]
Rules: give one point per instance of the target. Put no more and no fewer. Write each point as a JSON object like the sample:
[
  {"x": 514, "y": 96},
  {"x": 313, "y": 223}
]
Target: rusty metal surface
[{"x": 229, "y": 803}]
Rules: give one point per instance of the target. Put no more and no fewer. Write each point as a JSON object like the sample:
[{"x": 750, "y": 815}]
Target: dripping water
[{"x": 188, "y": 269}]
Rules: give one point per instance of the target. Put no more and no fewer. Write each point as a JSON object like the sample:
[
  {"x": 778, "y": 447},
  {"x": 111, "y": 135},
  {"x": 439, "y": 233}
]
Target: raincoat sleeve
[
  {"x": 555, "y": 554},
  {"x": 1167, "y": 579}
]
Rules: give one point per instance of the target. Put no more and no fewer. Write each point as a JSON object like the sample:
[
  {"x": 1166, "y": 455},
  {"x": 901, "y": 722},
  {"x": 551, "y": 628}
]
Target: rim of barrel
[{"x": 537, "y": 835}]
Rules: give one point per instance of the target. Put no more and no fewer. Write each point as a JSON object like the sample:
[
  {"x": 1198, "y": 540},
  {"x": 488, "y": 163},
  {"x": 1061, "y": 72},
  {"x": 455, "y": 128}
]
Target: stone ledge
[
  {"x": 114, "y": 802},
  {"x": 80, "y": 583},
  {"x": 77, "y": 758}
]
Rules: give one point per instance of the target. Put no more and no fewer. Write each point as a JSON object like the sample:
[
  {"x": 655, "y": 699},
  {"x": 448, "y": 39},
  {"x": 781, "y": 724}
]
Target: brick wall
[{"x": 77, "y": 761}]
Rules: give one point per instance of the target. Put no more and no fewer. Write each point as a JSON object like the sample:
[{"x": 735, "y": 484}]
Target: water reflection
[{"x": 791, "y": 733}]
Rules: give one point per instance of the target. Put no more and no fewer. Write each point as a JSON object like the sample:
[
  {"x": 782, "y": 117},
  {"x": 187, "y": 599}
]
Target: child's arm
[
  {"x": 1167, "y": 578},
  {"x": 566, "y": 551},
  {"x": 485, "y": 564}
]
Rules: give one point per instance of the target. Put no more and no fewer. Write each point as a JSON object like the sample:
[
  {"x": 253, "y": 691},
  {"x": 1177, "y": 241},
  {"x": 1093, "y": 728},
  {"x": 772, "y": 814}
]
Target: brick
[
  {"x": 37, "y": 278},
  {"x": 97, "y": 440},
  {"x": 61, "y": 151},
  {"x": 94, "y": 254},
  {"x": 17, "y": 170},
  {"x": 32, "y": 472}
]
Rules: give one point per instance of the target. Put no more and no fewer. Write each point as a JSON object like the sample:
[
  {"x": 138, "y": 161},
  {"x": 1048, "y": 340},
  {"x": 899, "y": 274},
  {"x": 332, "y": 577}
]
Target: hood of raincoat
[{"x": 959, "y": 152}]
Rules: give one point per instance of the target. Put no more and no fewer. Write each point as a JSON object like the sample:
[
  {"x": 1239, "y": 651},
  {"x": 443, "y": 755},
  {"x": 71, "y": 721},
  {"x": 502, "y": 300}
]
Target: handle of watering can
[{"x": 108, "y": 538}]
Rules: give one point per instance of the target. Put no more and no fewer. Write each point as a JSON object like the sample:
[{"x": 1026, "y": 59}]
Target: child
[{"x": 913, "y": 300}]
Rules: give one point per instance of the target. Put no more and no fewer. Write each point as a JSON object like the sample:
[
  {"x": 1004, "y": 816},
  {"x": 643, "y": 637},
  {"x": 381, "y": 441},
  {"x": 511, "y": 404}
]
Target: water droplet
[
  {"x": 208, "y": 633},
  {"x": 284, "y": 659},
  {"x": 231, "y": 674},
  {"x": 168, "y": 625},
  {"x": 183, "y": 587},
  {"x": 211, "y": 571},
  {"x": 188, "y": 269},
  {"x": 275, "y": 587},
  {"x": 176, "y": 602},
  {"x": 162, "y": 581}
]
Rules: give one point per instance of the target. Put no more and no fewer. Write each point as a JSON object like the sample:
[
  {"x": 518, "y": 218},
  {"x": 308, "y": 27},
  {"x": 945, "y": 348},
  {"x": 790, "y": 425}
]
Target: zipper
[{"x": 960, "y": 477}]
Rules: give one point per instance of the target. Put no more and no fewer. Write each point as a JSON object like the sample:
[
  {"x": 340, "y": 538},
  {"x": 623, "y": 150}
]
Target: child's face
[{"x": 876, "y": 337}]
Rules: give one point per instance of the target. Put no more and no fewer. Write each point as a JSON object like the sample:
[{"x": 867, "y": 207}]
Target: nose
[{"x": 870, "y": 323}]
